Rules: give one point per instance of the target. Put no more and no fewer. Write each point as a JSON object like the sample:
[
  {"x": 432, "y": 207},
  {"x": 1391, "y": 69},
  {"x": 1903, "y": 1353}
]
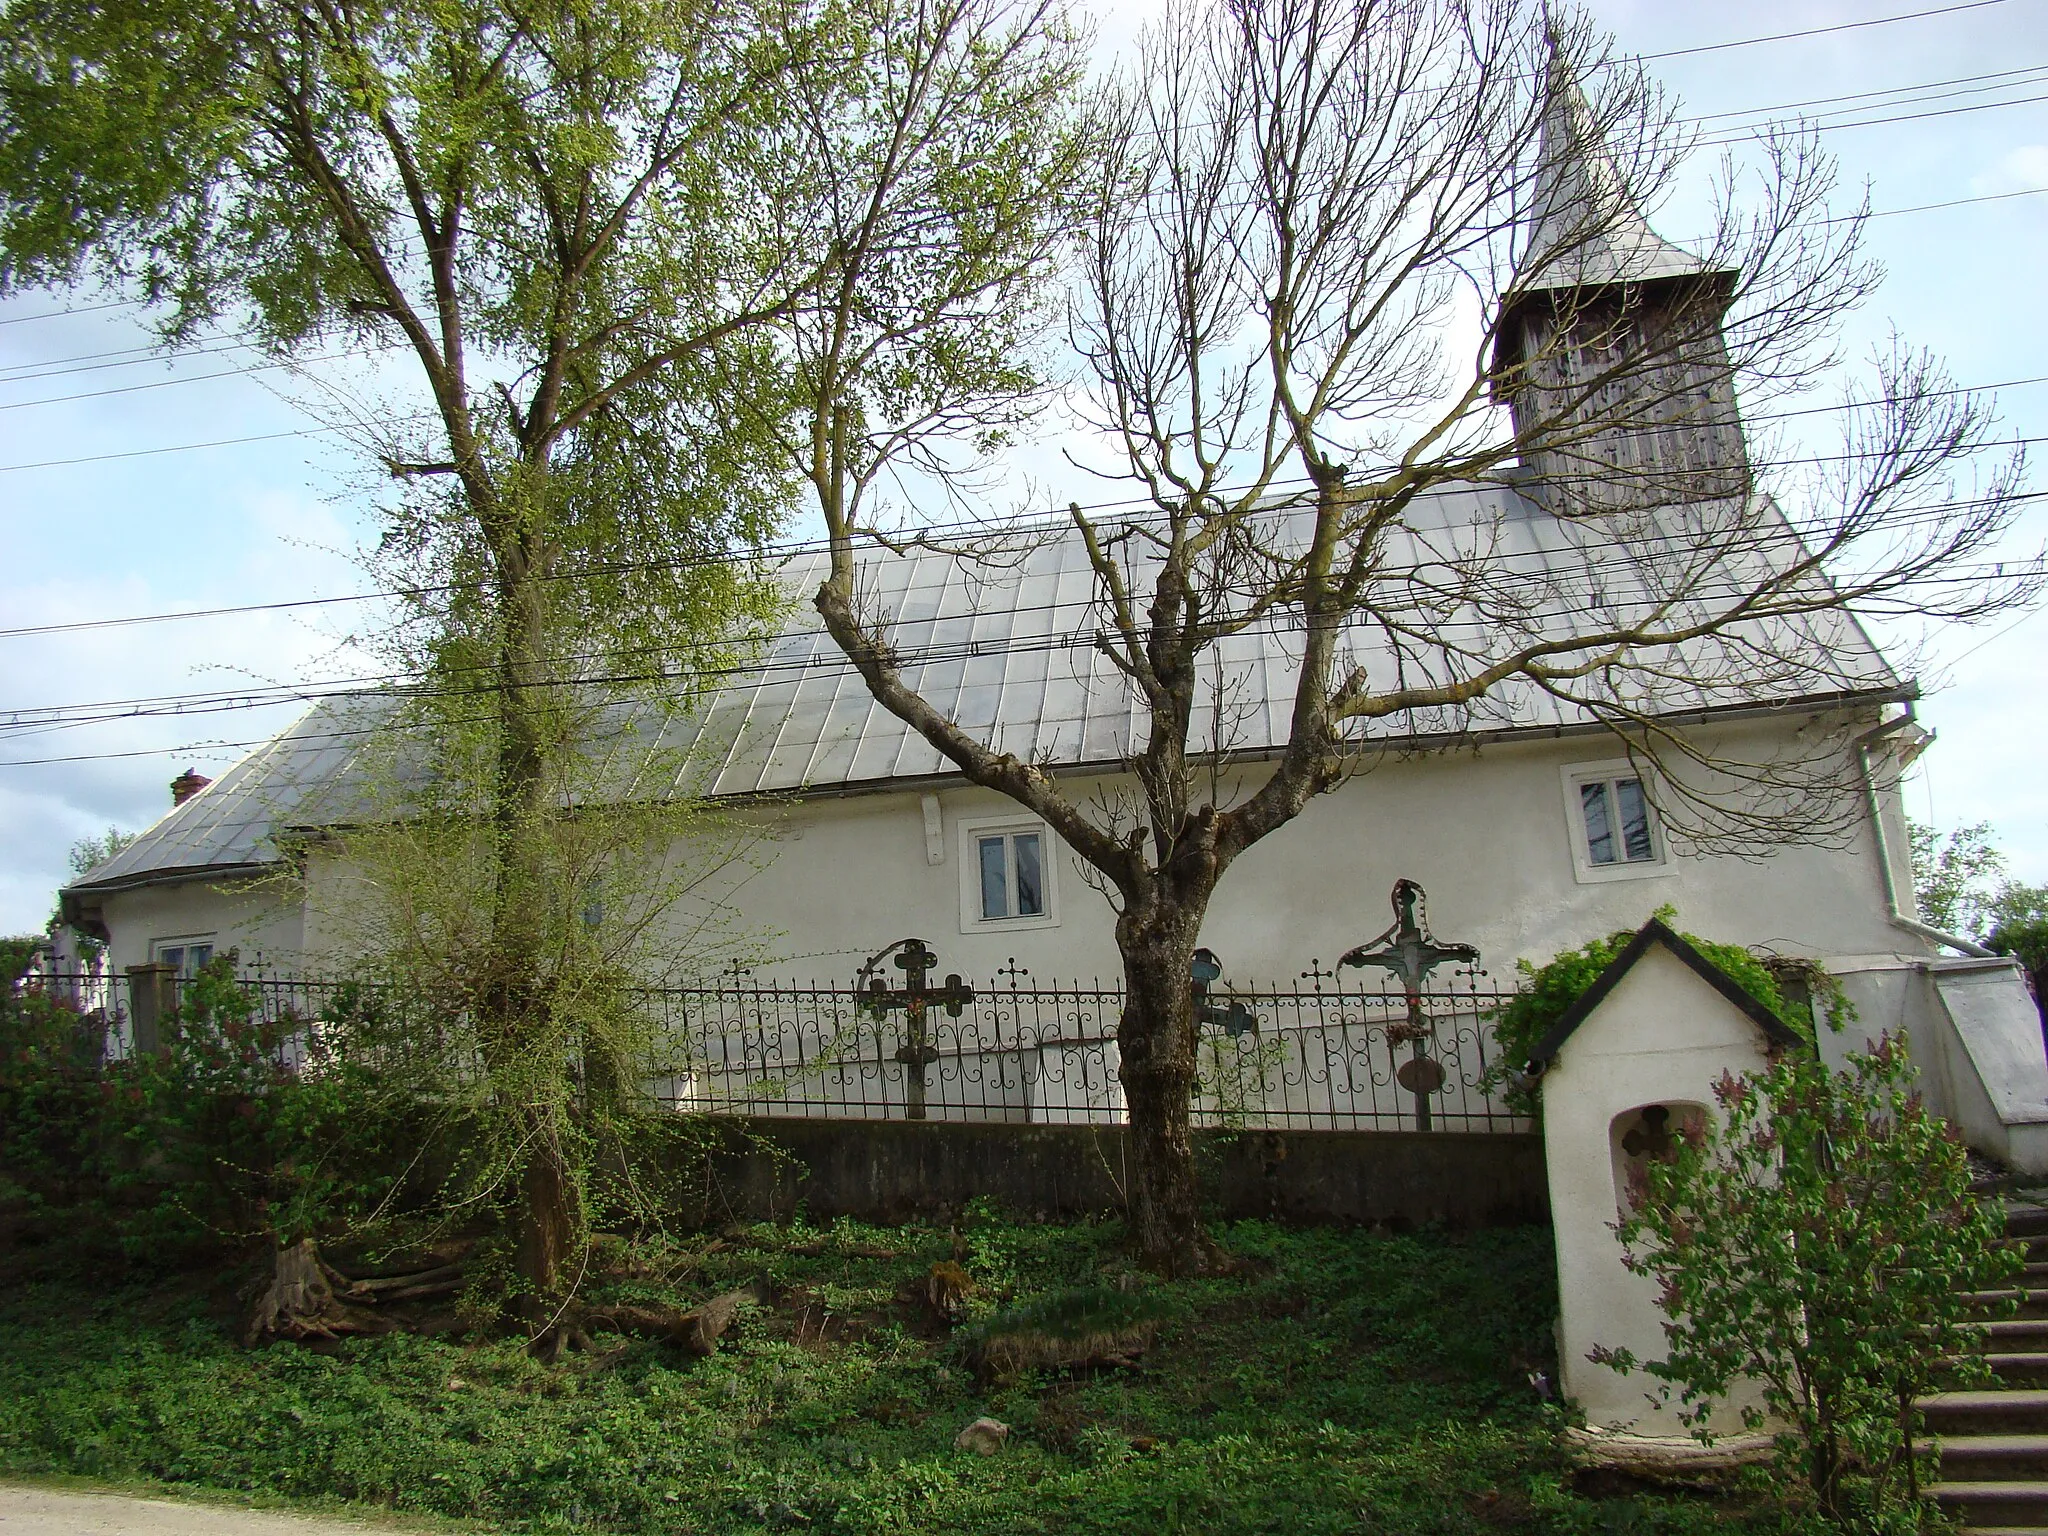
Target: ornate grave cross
[
  {"x": 873, "y": 994},
  {"x": 1411, "y": 953},
  {"x": 1235, "y": 1019}
]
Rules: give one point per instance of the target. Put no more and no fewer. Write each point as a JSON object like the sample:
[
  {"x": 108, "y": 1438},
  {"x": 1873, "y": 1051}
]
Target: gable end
[{"x": 1656, "y": 931}]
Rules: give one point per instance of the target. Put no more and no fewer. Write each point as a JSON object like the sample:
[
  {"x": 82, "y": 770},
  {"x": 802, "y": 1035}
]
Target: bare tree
[{"x": 1369, "y": 312}]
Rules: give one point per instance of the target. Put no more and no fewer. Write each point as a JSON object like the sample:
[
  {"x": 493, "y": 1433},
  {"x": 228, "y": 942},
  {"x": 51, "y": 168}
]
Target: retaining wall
[{"x": 890, "y": 1171}]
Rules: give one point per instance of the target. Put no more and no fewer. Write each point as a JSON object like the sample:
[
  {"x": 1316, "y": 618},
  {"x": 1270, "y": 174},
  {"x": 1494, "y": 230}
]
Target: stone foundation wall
[{"x": 891, "y": 1171}]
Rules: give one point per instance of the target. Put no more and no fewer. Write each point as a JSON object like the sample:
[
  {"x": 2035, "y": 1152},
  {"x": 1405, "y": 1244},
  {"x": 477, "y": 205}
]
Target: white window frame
[
  {"x": 968, "y": 832},
  {"x": 1584, "y": 870},
  {"x": 182, "y": 942}
]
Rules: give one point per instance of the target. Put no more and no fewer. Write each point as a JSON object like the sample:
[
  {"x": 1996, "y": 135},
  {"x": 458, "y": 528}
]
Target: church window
[
  {"x": 1612, "y": 822},
  {"x": 1617, "y": 820},
  {"x": 1012, "y": 875},
  {"x": 1006, "y": 874}
]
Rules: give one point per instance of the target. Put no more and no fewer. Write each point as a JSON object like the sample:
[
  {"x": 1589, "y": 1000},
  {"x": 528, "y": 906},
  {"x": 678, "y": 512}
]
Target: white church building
[{"x": 1527, "y": 824}]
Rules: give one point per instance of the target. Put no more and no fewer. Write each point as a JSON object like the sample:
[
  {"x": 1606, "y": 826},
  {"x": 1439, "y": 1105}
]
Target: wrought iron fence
[
  {"x": 1326, "y": 1053},
  {"x": 1319, "y": 1056}
]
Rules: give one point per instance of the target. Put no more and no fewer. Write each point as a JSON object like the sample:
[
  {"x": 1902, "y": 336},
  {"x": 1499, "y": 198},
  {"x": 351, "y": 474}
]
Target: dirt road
[{"x": 34, "y": 1511}]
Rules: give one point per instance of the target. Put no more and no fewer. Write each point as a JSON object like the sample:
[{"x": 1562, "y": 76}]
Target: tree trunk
[
  {"x": 549, "y": 1218},
  {"x": 550, "y": 1227},
  {"x": 1156, "y": 1041}
]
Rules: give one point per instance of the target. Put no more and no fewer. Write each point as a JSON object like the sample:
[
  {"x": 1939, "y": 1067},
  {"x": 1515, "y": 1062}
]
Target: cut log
[
  {"x": 387, "y": 1287},
  {"x": 696, "y": 1330},
  {"x": 404, "y": 1263}
]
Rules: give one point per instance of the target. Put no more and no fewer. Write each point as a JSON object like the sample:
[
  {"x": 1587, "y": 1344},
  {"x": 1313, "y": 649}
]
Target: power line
[
  {"x": 1841, "y": 26},
  {"x": 128, "y": 357},
  {"x": 1739, "y": 135},
  {"x": 197, "y": 378},
  {"x": 82, "y": 309},
  {"x": 791, "y": 548},
  {"x": 221, "y": 442},
  {"x": 1976, "y": 84},
  {"x": 1959, "y": 202},
  {"x": 50, "y": 368},
  {"x": 1550, "y": 586},
  {"x": 271, "y": 437}
]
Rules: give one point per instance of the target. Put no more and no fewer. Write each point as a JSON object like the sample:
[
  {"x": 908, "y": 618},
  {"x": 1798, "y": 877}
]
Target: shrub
[{"x": 242, "y": 1128}]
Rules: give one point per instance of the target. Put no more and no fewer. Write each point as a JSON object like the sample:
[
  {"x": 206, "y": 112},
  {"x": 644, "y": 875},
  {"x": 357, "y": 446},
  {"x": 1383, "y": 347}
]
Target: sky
[{"x": 98, "y": 523}]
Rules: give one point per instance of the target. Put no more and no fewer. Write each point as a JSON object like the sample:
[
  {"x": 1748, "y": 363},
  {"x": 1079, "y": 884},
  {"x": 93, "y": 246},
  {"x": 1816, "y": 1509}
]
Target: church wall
[{"x": 1488, "y": 834}]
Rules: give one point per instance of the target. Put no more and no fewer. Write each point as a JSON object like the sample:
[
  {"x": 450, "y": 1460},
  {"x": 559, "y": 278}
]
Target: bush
[
  {"x": 1819, "y": 1244},
  {"x": 51, "y": 1107},
  {"x": 241, "y": 1129}
]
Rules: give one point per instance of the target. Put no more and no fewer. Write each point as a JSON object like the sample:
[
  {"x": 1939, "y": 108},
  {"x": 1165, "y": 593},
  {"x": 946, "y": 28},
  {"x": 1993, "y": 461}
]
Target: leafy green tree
[
  {"x": 1954, "y": 878},
  {"x": 86, "y": 855},
  {"x": 2019, "y": 927},
  {"x": 587, "y": 228},
  {"x": 543, "y": 210},
  {"x": 1818, "y": 1240}
]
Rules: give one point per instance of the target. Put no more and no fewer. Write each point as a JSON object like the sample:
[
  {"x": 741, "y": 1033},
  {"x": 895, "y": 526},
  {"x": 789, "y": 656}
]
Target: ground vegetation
[{"x": 1320, "y": 1385}]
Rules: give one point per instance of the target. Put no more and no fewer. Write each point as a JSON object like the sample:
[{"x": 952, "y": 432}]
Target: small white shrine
[{"x": 1622, "y": 1074}]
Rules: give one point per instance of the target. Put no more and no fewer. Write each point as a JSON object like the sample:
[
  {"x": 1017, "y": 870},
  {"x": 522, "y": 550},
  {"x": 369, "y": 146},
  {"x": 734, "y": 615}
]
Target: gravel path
[{"x": 32, "y": 1511}]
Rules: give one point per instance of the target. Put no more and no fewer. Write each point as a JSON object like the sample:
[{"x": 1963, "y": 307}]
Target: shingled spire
[{"x": 1610, "y": 349}]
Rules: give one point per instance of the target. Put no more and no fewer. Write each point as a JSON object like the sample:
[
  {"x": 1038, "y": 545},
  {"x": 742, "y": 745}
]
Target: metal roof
[
  {"x": 1585, "y": 229},
  {"x": 1005, "y": 649}
]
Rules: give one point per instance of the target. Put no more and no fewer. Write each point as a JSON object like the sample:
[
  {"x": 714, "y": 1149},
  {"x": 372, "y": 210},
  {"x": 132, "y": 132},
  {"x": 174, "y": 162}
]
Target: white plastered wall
[
  {"x": 1486, "y": 833},
  {"x": 1662, "y": 1036},
  {"x": 262, "y": 919}
]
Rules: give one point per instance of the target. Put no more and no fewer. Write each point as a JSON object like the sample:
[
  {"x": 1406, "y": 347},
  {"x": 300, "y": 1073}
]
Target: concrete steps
[
  {"x": 2021, "y": 1303},
  {"x": 1987, "y": 1411},
  {"x": 1994, "y": 1441},
  {"x": 1994, "y": 1457},
  {"x": 1992, "y": 1505}
]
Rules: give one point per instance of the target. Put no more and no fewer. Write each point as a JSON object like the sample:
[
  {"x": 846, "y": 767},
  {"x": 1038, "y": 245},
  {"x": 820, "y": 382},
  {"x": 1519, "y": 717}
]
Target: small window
[
  {"x": 188, "y": 957},
  {"x": 1009, "y": 874},
  {"x": 1616, "y": 816},
  {"x": 1611, "y": 828},
  {"x": 1012, "y": 869}
]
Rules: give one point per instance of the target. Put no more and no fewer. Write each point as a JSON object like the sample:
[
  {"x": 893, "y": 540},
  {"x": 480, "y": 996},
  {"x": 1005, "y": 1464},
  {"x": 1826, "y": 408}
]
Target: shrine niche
[
  {"x": 1645, "y": 1135},
  {"x": 1623, "y": 1078}
]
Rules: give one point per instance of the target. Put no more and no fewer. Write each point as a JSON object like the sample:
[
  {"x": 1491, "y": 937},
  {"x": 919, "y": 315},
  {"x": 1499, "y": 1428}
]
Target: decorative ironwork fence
[{"x": 1326, "y": 1053}]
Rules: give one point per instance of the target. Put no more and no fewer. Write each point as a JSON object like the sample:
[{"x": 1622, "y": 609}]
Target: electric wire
[
  {"x": 1840, "y": 26},
  {"x": 793, "y": 548},
  {"x": 1549, "y": 584}
]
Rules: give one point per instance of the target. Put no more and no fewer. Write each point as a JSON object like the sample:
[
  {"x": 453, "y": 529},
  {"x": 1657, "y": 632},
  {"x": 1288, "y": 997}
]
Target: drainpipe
[{"x": 1892, "y": 913}]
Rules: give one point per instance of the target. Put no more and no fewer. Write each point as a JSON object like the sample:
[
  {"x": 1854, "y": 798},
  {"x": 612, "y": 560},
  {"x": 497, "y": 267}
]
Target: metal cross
[
  {"x": 1315, "y": 975},
  {"x": 1409, "y": 951},
  {"x": 914, "y": 958},
  {"x": 1650, "y": 1137},
  {"x": 1235, "y": 1019}
]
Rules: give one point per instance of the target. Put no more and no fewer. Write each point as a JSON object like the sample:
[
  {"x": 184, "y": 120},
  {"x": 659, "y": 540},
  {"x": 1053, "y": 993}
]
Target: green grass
[{"x": 1336, "y": 1381}]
